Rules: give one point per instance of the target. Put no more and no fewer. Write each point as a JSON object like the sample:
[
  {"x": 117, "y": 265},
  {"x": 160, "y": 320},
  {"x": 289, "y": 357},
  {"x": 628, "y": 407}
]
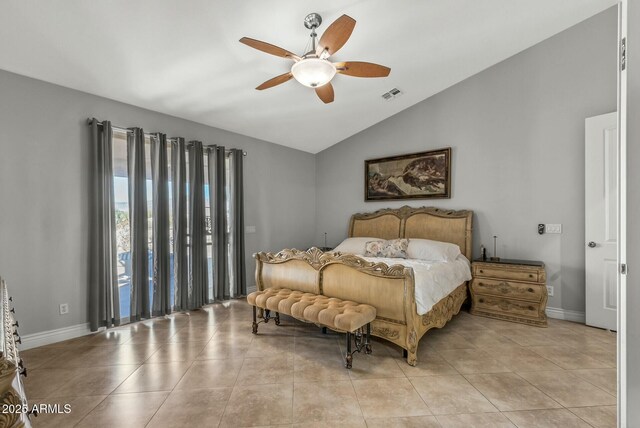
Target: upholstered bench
[{"x": 341, "y": 315}]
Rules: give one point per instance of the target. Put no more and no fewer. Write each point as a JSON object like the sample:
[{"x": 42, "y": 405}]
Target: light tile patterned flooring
[{"x": 206, "y": 369}]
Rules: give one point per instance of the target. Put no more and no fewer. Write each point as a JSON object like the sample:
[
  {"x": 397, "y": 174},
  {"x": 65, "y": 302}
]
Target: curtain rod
[{"x": 169, "y": 140}]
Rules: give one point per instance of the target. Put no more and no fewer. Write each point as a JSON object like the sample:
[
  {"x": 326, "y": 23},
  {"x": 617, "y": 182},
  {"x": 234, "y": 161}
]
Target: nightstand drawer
[
  {"x": 520, "y": 274},
  {"x": 516, "y": 290},
  {"x": 507, "y": 306}
]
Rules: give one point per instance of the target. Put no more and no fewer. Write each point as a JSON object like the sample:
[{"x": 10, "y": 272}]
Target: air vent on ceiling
[{"x": 393, "y": 93}]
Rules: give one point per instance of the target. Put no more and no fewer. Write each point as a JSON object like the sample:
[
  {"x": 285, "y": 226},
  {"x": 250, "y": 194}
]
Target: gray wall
[
  {"x": 633, "y": 208},
  {"x": 44, "y": 174},
  {"x": 517, "y": 137}
]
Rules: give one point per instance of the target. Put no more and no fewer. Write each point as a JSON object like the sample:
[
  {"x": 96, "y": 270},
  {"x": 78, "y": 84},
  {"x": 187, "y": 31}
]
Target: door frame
[{"x": 622, "y": 219}]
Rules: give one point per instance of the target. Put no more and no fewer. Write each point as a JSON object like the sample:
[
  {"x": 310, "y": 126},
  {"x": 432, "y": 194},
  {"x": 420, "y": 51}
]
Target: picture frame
[{"x": 422, "y": 175}]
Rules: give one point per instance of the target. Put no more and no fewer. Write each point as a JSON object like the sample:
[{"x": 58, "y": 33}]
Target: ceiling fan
[{"x": 313, "y": 69}]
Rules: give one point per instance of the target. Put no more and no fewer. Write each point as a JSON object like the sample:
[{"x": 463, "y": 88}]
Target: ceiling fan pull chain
[{"x": 306, "y": 46}]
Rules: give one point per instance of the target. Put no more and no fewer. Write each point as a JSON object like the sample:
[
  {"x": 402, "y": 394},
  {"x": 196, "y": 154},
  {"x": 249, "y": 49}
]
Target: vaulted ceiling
[{"x": 183, "y": 58}]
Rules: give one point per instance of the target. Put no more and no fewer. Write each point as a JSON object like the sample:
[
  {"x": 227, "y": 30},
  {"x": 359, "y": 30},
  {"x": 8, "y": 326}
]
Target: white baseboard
[
  {"x": 52, "y": 336},
  {"x": 565, "y": 314}
]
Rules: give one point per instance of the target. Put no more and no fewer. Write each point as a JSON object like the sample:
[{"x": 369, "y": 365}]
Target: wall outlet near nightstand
[
  {"x": 550, "y": 290},
  {"x": 64, "y": 308},
  {"x": 553, "y": 228}
]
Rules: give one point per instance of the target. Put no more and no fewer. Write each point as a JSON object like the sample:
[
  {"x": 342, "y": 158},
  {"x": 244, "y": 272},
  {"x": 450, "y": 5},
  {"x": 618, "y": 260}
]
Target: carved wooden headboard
[{"x": 425, "y": 222}]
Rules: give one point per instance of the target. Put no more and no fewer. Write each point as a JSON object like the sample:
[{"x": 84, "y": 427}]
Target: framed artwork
[{"x": 421, "y": 175}]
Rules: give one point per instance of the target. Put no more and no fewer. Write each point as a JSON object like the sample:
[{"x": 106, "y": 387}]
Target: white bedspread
[{"x": 434, "y": 280}]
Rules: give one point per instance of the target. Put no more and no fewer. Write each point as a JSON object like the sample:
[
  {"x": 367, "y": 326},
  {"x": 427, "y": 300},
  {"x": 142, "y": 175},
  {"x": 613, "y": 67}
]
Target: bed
[{"x": 390, "y": 288}]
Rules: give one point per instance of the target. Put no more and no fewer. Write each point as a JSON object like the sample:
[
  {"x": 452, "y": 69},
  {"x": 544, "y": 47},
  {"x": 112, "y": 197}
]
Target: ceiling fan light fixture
[
  {"x": 313, "y": 69},
  {"x": 313, "y": 72}
]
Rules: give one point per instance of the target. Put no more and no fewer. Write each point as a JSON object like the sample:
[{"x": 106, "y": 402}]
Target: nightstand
[{"x": 511, "y": 290}]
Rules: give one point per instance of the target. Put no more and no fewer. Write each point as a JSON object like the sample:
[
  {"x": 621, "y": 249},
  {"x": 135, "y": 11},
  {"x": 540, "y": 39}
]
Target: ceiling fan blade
[
  {"x": 269, "y": 48},
  {"x": 275, "y": 81},
  {"x": 336, "y": 35},
  {"x": 325, "y": 93},
  {"x": 362, "y": 69}
]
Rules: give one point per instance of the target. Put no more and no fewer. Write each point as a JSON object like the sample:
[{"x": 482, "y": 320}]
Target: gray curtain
[
  {"x": 217, "y": 198},
  {"x": 197, "y": 228},
  {"x": 138, "y": 225},
  {"x": 180, "y": 254},
  {"x": 191, "y": 286},
  {"x": 104, "y": 297},
  {"x": 161, "y": 245},
  {"x": 238, "y": 284}
]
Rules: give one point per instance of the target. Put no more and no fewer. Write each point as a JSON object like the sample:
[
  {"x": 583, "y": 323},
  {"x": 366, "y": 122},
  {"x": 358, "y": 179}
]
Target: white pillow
[
  {"x": 426, "y": 249},
  {"x": 354, "y": 245}
]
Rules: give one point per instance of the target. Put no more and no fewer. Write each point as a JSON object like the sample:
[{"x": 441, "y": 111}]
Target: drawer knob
[
  {"x": 481, "y": 271},
  {"x": 530, "y": 290},
  {"x": 531, "y": 308},
  {"x": 481, "y": 300},
  {"x": 530, "y": 275}
]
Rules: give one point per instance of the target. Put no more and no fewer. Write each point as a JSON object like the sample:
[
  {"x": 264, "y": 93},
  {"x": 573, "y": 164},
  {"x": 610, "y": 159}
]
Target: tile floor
[{"x": 206, "y": 369}]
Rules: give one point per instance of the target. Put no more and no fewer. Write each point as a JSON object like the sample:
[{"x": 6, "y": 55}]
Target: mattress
[{"x": 433, "y": 280}]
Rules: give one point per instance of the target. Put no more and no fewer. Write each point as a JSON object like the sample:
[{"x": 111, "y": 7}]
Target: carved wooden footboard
[{"x": 390, "y": 289}]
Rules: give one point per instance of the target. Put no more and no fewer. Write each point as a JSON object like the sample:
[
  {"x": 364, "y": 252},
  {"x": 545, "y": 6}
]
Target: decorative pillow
[
  {"x": 394, "y": 248},
  {"x": 426, "y": 249},
  {"x": 353, "y": 246}
]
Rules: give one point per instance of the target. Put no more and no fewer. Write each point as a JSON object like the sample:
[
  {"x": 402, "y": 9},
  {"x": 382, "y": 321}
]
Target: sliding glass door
[
  {"x": 123, "y": 202},
  {"x": 123, "y": 227}
]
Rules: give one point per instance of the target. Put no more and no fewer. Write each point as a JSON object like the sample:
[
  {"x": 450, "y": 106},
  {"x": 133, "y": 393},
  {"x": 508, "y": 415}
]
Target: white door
[{"x": 601, "y": 220}]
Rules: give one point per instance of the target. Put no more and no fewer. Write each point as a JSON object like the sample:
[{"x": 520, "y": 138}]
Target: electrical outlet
[
  {"x": 553, "y": 228},
  {"x": 64, "y": 308},
  {"x": 550, "y": 290}
]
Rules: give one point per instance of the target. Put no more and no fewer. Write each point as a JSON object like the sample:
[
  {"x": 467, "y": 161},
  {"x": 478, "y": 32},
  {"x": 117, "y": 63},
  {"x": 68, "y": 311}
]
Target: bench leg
[
  {"x": 277, "y": 321},
  {"x": 255, "y": 322},
  {"x": 324, "y": 330},
  {"x": 349, "y": 356},
  {"x": 367, "y": 344},
  {"x": 405, "y": 353}
]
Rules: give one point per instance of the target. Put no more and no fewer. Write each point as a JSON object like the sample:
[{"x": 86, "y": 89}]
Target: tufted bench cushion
[{"x": 336, "y": 314}]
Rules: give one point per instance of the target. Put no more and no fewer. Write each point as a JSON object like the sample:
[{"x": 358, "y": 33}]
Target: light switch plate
[
  {"x": 64, "y": 308},
  {"x": 553, "y": 228}
]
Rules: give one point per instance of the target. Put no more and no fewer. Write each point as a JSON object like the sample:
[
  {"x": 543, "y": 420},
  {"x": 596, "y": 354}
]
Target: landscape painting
[{"x": 421, "y": 175}]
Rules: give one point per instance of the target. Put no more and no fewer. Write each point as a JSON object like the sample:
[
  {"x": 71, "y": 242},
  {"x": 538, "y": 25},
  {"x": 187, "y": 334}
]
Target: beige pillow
[{"x": 394, "y": 248}]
